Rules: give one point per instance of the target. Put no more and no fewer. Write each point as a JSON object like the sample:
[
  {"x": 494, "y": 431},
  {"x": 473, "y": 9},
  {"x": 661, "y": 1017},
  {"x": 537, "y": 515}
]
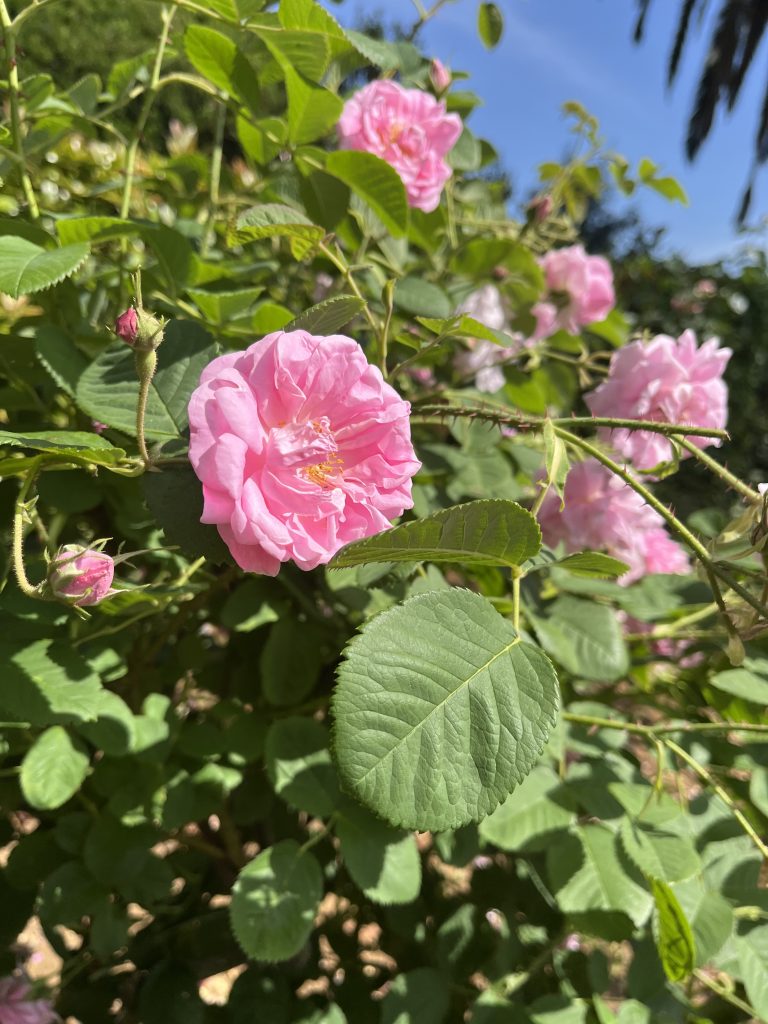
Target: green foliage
[{"x": 366, "y": 790}]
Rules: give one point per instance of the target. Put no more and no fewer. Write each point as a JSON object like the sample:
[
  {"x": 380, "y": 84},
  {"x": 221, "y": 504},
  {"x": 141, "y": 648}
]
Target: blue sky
[{"x": 555, "y": 50}]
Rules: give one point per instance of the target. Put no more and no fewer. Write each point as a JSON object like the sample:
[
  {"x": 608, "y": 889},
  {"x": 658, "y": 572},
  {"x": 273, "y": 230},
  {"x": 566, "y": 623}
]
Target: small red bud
[
  {"x": 541, "y": 208},
  {"x": 127, "y": 326}
]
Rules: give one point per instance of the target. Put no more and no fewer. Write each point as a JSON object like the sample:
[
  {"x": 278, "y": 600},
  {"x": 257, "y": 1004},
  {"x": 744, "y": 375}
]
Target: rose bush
[{"x": 417, "y": 699}]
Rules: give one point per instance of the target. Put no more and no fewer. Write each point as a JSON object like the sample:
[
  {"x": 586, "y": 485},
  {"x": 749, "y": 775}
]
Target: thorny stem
[
  {"x": 690, "y": 539},
  {"x": 141, "y": 121},
  {"x": 19, "y": 518},
  {"x": 146, "y": 362},
  {"x": 9, "y": 39},
  {"x": 719, "y": 470}
]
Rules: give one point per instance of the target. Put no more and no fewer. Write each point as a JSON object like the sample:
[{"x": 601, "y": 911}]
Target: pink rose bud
[
  {"x": 127, "y": 326},
  {"x": 81, "y": 576},
  {"x": 17, "y": 1006},
  {"x": 440, "y": 76},
  {"x": 410, "y": 130},
  {"x": 541, "y": 208}
]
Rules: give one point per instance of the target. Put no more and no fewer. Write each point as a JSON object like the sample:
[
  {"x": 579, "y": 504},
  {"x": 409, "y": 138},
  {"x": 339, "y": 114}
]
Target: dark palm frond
[
  {"x": 753, "y": 27},
  {"x": 715, "y": 76},
  {"x": 681, "y": 35}
]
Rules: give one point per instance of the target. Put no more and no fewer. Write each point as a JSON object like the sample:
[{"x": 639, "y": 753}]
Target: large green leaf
[
  {"x": 47, "y": 682},
  {"x": 584, "y": 637},
  {"x": 108, "y": 390},
  {"x": 490, "y": 532},
  {"x": 383, "y": 861},
  {"x": 306, "y": 53},
  {"x": 374, "y": 181},
  {"x": 299, "y": 766},
  {"x": 274, "y": 902},
  {"x": 273, "y": 219},
  {"x": 529, "y": 817},
  {"x": 219, "y": 60},
  {"x": 440, "y": 711},
  {"x": 420, "y": 995},
  {"x": 659, "y": 854},
  {"x": 754, "y": 972},
  {"x": 327, "y": 316},
  {"x": 289, "y": 670},
  {"x": 53, "y": 769},
  {"x": 674, "y": 938},
  {"x": 94, "y": 229},
  {"x": 312, "y": 110},
  {"x": 72, "y": 445},
  {"x": 26, "y": 267}
]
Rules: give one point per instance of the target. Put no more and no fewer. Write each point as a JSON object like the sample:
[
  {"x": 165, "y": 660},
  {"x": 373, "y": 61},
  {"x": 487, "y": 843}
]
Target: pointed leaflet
[
  {"x": 374, "y": 181},
  {"x": 53, "y": 769},
  {"x": 26, "y": 267},
  {"x": 440, "y": 711},
  {"x": 674, "y": 938},
  {"x": 492, "y": 532},
  {"x": 384, "y": 862}
]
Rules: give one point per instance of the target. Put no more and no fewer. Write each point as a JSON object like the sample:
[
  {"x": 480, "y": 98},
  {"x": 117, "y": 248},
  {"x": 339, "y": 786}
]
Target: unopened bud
[
  {"x": 140, "y": 329},
  {"x": 127, "y": 326},
  {"x": 440, "y": 76},
  {"x": 81, "y": 576},
  {"x": 541, "y": 208}
]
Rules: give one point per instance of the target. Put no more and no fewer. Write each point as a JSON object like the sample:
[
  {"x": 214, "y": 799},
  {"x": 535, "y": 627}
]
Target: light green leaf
[
  {"x": 557, "y": 463},
  {"x": 443, "y": 673},
  {"x": 274, "y": 902},
  {"x": 749, "y": 682},
  {"x": 490, "y": 24},
  {"x": 307, "y": 53},
  {"x": 299, "y": 766},
  {"x": 222, "y": 307},
  {"x": 312, "y": 110},
  {"x": 415, "y": 295},
  {"x": 26, "y": 267},
  {"x": 46, "y": 683},
  {"x": 93, "y": 229},
  {"x": 53, "y": 769},
  {"x": 539, "y": 807},
  {"x": 273, "y": 219},
  {"x": 327, "y": 316},
  {"x": 754, "y": 974},
  {"x": 659, "y": 854},
  {"x": 485, "y": 532},
  {"x": 587, "y": 874},
  {"x": 374, "y": 181},
  {"x": 421, "y": 995},
  {"x": 592, "y": 565},
  {"x": 584, "y": 637},
  {"x": 674, "y": 939},
  {"x": 108, "y": 390},
  {"x": 219, "y": 60},
  {"x": 384, "y": 862}
]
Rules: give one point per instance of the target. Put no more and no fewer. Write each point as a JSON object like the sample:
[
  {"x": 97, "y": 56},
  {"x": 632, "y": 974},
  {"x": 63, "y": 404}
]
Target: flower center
[{"x": 309, "y": 449}]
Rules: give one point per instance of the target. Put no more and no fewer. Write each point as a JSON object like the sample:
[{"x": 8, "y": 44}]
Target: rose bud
[
  {"x": 139, "y": 329},
  {"x": 81, "y": 576},
  {"x": 440, "y": 76},
  {"x": 127, "y": 326}
]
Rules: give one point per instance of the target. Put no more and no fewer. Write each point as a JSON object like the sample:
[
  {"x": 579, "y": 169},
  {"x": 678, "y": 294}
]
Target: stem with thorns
[
  {"x": 19, "y": 520},
  {"x": 9, "y": 29}
]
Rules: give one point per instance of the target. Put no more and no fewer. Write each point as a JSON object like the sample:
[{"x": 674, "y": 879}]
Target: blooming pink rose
[
  {"x": 409, "y": 129},
  {"x": 301, "y": 447},
  {"x": 664, "y": 380},
  {"x": 482, "y": 357},
  {"x": 17, "y": 1008},
  {"x": 580, "y": 291},
  {"x": 602, "y": 513},
  {"x": 81, "y": 576},
  {"x": 439, "y": 76}
]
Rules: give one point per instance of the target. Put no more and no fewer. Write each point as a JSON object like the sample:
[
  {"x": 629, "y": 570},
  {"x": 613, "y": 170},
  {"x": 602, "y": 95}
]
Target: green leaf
[
  {"x": 175, "y": 498},
  {"x": 421, "y": 995},
  {"x": 72, "y": 445},
  {"x": 754, "y": 974},
  {"x": 415, "y": 295},
  {"x": 312, "y": 110},
  {"x": 584, "y": 637},
  {"x": 592, "y": 565},
  {"x": 274, "y": 902},
  {"x": 750, "y": 682},
  {"x": 93, "y": 229},
  {"x": 219, "y": 60},
  {"x": 273, "y": 219},
  {"x": 674, "y": 939},
  {"x": 327, "y": 316},
  {"x": 47, "y": 683},
  {"x": 670, "y": 188},
  {"x": 490, "y": 24},
  {"x": 307, "y": 53},
  {"x": 59, "y": 355},
  {"x": 26, "y": 267},
  {"x": 443, "y": 673},
  {"x": 53, "y": 770},
  {"x": 659, "y": 854},
  {"x": 557, "y": 463},
  {"x": 587, "y": 875},
  {"x": 384, "y": 862},
  {"x": 529, "y": 817},
  {"x": 374, "y": 181},
  {"x": 485, "y": 532},
  {"x": 223, "y": 307},
  {"x": 170, "y": 995},
  {"x": 109, "y": 390},
  {"x": 299, "y": 766},
  {"x": 289, "y": 670}
]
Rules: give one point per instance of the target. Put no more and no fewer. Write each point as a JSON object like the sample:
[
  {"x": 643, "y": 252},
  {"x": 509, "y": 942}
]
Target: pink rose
[
  {"x": 579, "y": 291},
  {"x": 664, "y": 380},
  {"x": 17, "y": 1008},
  {"x": 409, "y": 129},
  {"x": 481, "y": 357},
  {"x": 602, "y": 513},
  {"x": 127, "y": 326},
  {"x": 439, "y": 76},
  {"x": 301, "y": 447},
  {"x": 81, "y": 576}
]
